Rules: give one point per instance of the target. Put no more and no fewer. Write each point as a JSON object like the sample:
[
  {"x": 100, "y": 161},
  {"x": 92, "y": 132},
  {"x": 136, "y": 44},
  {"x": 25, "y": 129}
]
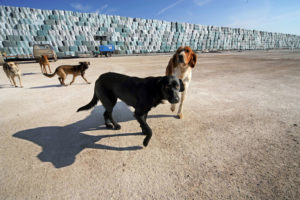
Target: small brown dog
[
  {"x": 11, "y": 70},
  {"x": 63, "y": 70},
  {"x": 43, "y": 62},
  {"x": 181, "y": 65}
]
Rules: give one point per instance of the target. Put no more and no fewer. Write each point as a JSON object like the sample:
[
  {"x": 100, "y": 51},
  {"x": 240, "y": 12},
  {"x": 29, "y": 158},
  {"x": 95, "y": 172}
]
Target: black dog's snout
[{"x": 174, "y": 100}]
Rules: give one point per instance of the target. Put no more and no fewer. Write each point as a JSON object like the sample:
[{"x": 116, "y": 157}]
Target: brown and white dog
[
  {"x": 43, "y": 62},
  {"x": 180, "y": 65},
  {"x": 12, "y": 70}
]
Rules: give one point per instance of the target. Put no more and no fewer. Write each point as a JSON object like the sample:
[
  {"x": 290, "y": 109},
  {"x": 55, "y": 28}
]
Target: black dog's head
[
  {"x": 85, "y": 64},
  {"x": 171, "y": 86}
]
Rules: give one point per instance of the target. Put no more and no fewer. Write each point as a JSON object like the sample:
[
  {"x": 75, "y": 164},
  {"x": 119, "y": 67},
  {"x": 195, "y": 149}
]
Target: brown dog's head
[
  {"x": 186, "y": 55},
  {"x": 85, "y": 64},
  {"x": 45, "y": 57}
]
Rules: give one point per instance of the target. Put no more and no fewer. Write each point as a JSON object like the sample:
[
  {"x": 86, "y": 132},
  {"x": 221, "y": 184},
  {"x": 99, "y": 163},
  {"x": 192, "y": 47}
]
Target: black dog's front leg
[{"x": 141, "y": 118}]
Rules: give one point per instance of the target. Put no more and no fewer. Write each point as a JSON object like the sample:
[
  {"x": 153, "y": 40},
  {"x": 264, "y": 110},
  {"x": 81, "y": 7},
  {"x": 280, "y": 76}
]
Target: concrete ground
[{"x": 239, "y": 138}]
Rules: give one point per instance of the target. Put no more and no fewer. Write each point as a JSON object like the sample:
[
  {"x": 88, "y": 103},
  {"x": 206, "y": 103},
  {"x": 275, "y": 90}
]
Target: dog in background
[
  {"x": 43, "y": 62},
  {"x": 63, "y": 70},
  {"x": 181, "y": 65},
  {"x": 12, "y": 70},
  {"x": 140, "y": 93}
]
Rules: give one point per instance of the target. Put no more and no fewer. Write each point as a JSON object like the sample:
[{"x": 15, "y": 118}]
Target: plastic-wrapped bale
[
  {"x": 7, "y": 43},
  {"x": 73, "y": 48},
  {"x": 63, "y": 48}
]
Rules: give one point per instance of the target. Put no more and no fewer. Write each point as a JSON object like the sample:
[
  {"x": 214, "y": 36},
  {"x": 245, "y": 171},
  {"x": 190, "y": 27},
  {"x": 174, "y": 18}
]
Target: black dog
[{"x": 140, "y": 93}]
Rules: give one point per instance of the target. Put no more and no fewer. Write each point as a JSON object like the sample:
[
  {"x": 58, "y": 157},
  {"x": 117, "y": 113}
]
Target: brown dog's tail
[
  {"x": 89, "y": 105},
  {"x": 50, "y": 75}
]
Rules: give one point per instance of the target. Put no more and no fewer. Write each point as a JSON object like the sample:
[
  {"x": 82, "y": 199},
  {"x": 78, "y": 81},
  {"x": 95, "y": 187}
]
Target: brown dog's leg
[
  {"x": 82, "y": 75},
  {"x": 179, "y": 113},
  {"x": 63, "y": 81},
  {"x": 60, "y": 80},
  {"x": 72, "y": 80},
  {"x": 62, "y": 76},
  {"x": 49, "y": 68},
  {"x": 41, "y": 68},
  {"x": 20, "y": 81},
  {"x": 44, "y": 69},
  {"x": 9, "y": 78},
  {"x": 173, "y": 107},
  {"x": 13, "y": 79}
]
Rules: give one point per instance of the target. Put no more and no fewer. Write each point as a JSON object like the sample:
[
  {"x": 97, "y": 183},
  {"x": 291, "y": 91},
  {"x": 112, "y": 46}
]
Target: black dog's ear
[{"x": 181, "y": 86}]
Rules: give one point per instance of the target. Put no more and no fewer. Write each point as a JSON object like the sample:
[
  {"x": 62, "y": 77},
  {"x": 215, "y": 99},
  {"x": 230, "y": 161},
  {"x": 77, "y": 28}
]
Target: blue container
[{"x": 107, "y": 48}]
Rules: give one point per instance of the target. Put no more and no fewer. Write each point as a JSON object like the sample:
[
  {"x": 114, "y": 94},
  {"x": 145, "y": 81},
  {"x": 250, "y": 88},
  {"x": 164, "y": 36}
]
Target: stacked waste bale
[{"x": 72, "y": 33}]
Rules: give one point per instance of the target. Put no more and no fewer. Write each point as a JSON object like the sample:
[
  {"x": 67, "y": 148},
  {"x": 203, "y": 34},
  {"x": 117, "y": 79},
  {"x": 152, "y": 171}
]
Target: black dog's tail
[{"x": 89, "y": 105}]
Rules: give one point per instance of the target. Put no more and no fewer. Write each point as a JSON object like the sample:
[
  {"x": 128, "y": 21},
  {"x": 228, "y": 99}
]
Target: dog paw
[
  {"x": 109, "y": 126},
  {"x": 117, "y": 127},
  {"x": 145, "y": 143},
  {"x": 180, "y": 116},
  {"x": 173, "y": 108}
]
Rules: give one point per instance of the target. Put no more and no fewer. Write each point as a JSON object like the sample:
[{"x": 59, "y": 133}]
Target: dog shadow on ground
[
  {"x": 56, "y": 85},
  {"x": 9, "y": 86},
  {"x": 47, "y": 86},
  {"x": 61, "y": 144},
  {"x": 29, "y": 74}
]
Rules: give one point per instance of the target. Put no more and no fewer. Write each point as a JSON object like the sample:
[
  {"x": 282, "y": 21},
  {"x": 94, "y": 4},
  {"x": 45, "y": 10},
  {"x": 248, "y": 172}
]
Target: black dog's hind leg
[
  {"x": 108, "y": 117},
  {"x": 106, "y": 120},
  {"x": 141, "y": 118},
  {"x": 109, "y": 101}
]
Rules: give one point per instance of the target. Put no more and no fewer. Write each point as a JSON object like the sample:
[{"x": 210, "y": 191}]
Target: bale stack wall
[{"x": 72, "y": 33}]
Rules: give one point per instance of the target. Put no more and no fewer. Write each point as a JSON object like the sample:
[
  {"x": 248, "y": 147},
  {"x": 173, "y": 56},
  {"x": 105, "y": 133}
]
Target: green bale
[
  {"x": 50, "y": 22},
  {"x": 46, "y": 27},
  {"x": 118, "y": 30},
  {"x": 42, "y": 32},
  {"x": 63, "y": 48},
  {"x": 79, "y": 37},
  {"x": 87, "y": 43},
  {"x": 39, "y": 38},
  {"x": 80, "y": 23},
  {"x": 60, "y": 54},
  {"x": 105, "y": 29},
  {"x": 77, "y": 42},
  {"x": 120, "y": 43},
  {"x": 7, "y": 43},
  {"x": 73, "y": 48},
  {"x": 91, "y": 48},
  {"x": 55, "y": 17},
  {"x": 13, "y": 37}
]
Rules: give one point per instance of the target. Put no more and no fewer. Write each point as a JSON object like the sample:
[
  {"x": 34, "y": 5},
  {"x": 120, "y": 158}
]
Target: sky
[{"x": 267, "y": 15}]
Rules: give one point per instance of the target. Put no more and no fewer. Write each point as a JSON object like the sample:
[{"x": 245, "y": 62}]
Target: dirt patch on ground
[{"x": 239, "y": 138}]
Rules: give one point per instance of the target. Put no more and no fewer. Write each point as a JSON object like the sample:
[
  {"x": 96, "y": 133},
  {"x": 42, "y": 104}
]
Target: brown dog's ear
[
  {"x": 181, "y": 86},
  {"x": 193, "y": 60},
  {"x": 179, "y": 49}
]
